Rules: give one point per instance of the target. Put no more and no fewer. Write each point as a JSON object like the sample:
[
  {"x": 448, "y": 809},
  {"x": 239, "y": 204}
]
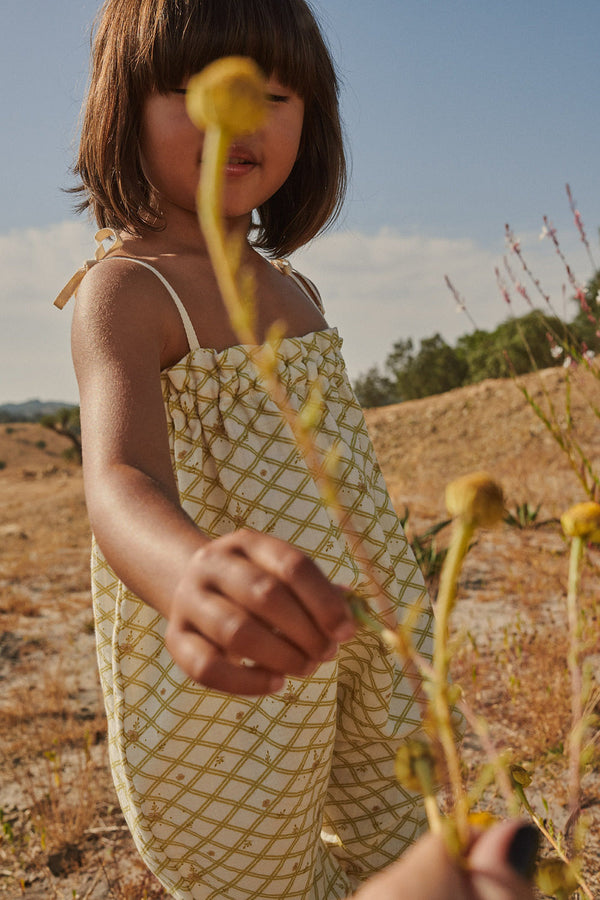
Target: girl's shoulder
[
  {"x": 121, "y": 307},
  {"x": 120, "y": 287},
  {"x": 307, "y": 286}
]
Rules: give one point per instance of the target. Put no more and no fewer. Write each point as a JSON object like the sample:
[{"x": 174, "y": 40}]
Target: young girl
[{"x": 252, "y": 730}]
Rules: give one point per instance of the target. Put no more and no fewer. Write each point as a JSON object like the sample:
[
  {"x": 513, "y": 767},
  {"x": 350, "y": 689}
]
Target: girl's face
[{"x": 258, "y": 165}]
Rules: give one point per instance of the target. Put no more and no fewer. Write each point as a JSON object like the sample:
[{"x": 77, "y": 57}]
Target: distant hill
[{"x": 31, "y": 410}]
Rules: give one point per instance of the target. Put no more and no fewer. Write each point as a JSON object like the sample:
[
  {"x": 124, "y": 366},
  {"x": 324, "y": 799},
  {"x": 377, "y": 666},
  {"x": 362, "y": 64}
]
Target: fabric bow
[{"x": 71, "y": 286}]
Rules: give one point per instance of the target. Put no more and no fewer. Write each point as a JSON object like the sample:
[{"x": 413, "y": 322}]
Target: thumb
[{"x": 502, "y": 861}]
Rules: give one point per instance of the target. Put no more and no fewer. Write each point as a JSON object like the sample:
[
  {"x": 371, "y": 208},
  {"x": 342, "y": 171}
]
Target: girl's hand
[
  {"x": 252, "y": 597},
  {"x": 499, "y": 866}
]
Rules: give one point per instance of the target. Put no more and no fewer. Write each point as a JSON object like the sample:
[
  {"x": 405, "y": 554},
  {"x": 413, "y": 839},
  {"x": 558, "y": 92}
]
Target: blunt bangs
[{"x": 281, "y": 36}]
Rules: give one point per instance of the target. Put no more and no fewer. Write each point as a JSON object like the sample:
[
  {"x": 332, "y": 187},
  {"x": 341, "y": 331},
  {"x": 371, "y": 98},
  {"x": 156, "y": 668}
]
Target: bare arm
[
  {"x": 244, "y": 595},
  {"x": 130, "y": 488}
]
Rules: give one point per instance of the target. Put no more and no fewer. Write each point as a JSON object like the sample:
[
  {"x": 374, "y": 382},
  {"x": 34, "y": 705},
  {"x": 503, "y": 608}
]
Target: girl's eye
[
  {"x": 179, "y": 90},
  {"x": 277, "y": 98}
]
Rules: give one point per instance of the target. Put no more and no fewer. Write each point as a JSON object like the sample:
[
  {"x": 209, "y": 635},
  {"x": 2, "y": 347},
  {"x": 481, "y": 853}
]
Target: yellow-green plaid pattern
[{"x": 291, "y": 795}]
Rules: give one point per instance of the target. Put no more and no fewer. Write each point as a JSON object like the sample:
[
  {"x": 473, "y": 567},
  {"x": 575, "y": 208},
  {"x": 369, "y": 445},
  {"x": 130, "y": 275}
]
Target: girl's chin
[{"x": 237, "y": 217}]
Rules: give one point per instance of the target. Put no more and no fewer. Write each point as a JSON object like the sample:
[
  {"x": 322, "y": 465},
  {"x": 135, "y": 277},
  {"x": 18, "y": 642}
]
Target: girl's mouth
[
  {"x": 240, "y": 161},
  {"x": 239, "y": 165}
]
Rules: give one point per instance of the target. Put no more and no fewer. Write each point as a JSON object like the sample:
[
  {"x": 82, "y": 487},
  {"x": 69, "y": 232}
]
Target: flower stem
[
  {"x": 461, "y": 537},
  {"x": 576, "y": 735},
  {"x": 210, "y": 191}
]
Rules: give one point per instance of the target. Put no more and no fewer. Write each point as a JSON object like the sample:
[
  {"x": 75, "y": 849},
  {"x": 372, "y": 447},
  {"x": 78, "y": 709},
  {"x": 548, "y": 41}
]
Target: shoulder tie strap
[
  {"x": 73, "y": 283},
  {"x": 305, "y": 284}
]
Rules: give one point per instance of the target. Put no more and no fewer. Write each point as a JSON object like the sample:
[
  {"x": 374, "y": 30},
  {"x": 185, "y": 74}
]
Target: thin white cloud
[
  {"x": 377, "y": 289},
  {"x": 388, "y": 286},
  {"x": 35, "y": 263}
]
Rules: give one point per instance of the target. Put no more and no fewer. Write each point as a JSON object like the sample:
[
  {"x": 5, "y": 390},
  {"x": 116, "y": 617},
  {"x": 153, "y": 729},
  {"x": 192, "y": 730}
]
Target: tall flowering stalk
[
  {"x": 575, "y": 353},
  {"x": 226, "y": 99},
  {"x": 474, "y": 501},
  {"x": 581, "y": 524}
]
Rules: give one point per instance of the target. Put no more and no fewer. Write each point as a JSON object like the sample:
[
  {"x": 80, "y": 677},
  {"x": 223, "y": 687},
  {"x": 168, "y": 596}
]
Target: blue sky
[{"x": 461, "y": 115}]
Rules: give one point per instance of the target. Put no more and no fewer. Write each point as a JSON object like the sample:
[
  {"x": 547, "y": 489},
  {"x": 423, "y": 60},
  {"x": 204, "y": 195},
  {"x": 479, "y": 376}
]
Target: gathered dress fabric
[{"x": 290, "y": 795}]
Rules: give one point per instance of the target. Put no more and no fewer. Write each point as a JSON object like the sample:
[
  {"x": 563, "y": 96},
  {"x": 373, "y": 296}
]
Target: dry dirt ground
[{"x": 61, "y": 833}]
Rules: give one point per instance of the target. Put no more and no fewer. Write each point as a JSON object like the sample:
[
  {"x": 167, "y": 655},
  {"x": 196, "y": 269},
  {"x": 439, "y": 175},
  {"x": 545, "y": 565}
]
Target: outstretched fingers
[
  {"x": 206, "y": 664},
  {"x": 254, "y": 597},
  {"x": 323, "y": 601}
]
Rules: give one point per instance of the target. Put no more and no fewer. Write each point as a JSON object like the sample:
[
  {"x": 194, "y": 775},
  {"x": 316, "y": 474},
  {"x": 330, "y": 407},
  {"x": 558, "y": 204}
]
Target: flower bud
[
  {"x": 415, "y": 766},
  {"x": 475, "y": 498},
  {"x": 230, "y": 94},
  {"x": 555, "y": 877},
  {"x": 519, "y": 775},
  {"x": 582, "y": 520}
]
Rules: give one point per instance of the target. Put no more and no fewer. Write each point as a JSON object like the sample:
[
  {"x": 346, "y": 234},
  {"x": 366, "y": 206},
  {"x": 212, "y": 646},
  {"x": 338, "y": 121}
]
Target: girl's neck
[{"x": 180, "y": 233}]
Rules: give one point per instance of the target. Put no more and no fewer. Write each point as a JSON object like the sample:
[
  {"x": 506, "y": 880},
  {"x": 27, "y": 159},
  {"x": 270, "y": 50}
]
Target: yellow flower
[
  {"x": 582, "y": 520},
  {"x": 482, "y": 820},
  {"x": 229, "y": 94},
  {"x": 475, "y": 498}
]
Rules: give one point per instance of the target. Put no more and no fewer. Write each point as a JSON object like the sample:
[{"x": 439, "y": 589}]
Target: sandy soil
[{"x": 61, "y": 833}]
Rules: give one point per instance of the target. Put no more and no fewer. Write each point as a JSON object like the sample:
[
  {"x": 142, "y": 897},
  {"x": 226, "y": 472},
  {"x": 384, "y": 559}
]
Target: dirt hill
[
  {"x": 60, "y": 829},
  {"x": 423, "y": 444}
]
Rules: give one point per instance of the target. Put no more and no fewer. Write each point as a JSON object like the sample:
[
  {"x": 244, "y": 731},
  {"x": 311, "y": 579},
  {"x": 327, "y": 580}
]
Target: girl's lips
[
  {"x": 238, "y": 167},
  {"x": 240, "y": 161}
]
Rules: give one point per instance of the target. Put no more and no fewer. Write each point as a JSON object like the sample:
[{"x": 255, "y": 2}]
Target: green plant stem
[
  {"x": 434, "y": 817},
  {"x": 479, "y": 726},
  {"x": 209, "y": 200},
  {"x": 577, "y": 724},
  {"x": 459, "y": 544},
  {"x": 551, "y": 840},
  {"x": 210, "y": 191}
]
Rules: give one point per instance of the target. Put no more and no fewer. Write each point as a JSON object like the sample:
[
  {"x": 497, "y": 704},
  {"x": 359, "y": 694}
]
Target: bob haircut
[{"x": 142, "y": 46}]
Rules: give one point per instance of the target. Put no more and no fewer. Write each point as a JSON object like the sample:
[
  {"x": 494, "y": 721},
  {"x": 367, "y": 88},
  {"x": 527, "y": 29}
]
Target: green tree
[
  {"x": 375, "y": 389},
  {"x": 516, "y": 346},
  {"x": 436, "y": 368}
]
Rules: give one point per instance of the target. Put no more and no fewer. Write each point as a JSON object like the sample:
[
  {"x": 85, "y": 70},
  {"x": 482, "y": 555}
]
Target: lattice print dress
[{"x": 291, "y": 795}]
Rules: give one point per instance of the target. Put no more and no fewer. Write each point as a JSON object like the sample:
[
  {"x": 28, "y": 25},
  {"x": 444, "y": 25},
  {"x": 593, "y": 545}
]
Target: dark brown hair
[{"x": 141, "y": 46}]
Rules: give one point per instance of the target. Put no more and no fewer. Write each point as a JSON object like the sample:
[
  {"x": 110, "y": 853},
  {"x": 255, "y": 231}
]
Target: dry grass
[{"x": 61, "y": 833}]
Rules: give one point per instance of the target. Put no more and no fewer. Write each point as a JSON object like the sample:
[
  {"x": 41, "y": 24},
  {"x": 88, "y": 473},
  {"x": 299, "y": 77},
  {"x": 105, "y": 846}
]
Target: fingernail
[
  {"x": 344, "y": 632},
  {"x": 275, "y": 684},
  {"x": 523, "y": 850},
  {"x": 331, "y": 651}
]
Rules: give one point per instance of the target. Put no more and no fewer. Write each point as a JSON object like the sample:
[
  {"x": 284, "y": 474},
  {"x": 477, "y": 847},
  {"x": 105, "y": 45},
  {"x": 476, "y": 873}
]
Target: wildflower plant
[
  {"x": 226, "y": 99},
  {"x": 226, "y": 89}
]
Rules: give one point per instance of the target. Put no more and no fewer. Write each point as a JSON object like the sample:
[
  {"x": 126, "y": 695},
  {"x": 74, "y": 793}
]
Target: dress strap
[
  {"x": 107, "y": 234},
  {"x": 305, "y": 284},
  {"x": 190, "y": 333},
  {"x": 70, "y": 288}
]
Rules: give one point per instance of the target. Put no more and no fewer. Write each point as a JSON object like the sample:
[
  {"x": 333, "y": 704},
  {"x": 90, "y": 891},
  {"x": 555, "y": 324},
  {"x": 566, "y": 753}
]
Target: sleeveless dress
[{"x": 291, "y": 795}]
